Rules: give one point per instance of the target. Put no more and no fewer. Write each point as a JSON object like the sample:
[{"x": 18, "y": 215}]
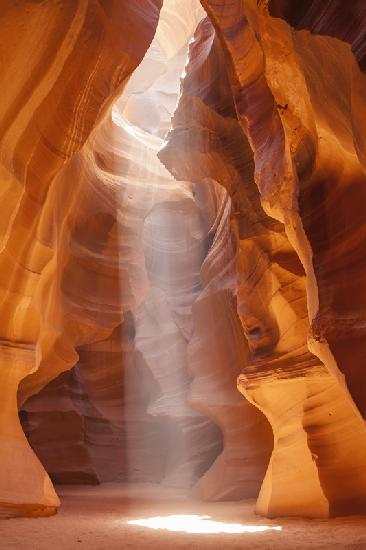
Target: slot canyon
[{"x": 182, "y": 268}]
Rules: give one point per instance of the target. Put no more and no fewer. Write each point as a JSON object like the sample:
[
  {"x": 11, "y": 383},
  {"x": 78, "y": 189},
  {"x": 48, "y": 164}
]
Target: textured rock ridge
[
  {"x": 64, "y": 65},
  {"x": 135, "y": 242},
  {"x": 206, "y": 145},
  {"x": 183, "y": 219},
  {"x": 308, "y": 155}
]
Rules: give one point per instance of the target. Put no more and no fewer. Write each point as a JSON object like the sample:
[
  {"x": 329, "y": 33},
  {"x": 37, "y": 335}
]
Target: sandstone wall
[{"x": 144, "y": 275}]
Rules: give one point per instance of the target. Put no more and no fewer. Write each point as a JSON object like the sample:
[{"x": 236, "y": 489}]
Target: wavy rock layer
[
  {"x": 135, "y": 244},
  {"x": 64, "y": 65},
  {"x": 143, "y": 274},
  {"x": 298, "y": 97},
  {"x": 90, "y": 424},
  {"x": 206, "y": 145}
]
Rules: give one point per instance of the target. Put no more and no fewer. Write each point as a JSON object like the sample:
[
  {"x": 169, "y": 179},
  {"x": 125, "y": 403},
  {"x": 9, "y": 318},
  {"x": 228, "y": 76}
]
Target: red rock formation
[
  {"x": 120, "y": 191},
  {"x": 64, "y": 64},
  {"x": 160, "y": 285},
  {"x": 298, "y": 98},
  {"x": 343, "y": 21},
  {"x": 205, "y": 146},
  {"x": 90, "y": 424}
]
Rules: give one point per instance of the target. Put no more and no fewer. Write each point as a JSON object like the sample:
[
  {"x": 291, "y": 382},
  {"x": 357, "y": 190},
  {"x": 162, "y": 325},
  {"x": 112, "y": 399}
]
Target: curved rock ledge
[
  {"x": 308, "y": 158},
  {"x": 163, "y": 249},
  {"x": 65, "y": 64}
]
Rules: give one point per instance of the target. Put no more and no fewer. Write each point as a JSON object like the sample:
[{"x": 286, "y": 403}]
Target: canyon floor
[{"x": 97, "y": 518}]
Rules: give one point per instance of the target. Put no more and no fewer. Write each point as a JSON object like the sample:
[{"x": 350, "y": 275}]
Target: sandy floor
[{"x": 96, "y": 518}]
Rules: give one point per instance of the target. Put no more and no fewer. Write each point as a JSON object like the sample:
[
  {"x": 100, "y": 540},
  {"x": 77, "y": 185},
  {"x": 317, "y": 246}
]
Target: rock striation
[
  {"x": 121, "y": 413},
  {"x": 182, "y": 218},
  {"x": 200, "y": 148},
  {"x": 298, "y": 99},
  {"x": 65, "y": 63},
  {"x": 178, "y": 234}
]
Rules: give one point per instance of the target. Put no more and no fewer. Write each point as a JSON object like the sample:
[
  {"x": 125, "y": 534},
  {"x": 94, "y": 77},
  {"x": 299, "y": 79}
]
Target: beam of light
[{"x": 199, "y": 524}]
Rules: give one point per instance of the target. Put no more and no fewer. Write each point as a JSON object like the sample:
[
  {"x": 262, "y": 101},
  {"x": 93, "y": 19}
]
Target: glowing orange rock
[
  {"x": 64, "y": 63},
  {"x": 298, "y": 97},
  {"x": 205, "y": 145}
]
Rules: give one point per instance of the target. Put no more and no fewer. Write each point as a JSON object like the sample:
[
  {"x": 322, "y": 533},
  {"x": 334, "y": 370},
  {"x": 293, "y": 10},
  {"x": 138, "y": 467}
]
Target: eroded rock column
[{"x": 297, "y": 99}]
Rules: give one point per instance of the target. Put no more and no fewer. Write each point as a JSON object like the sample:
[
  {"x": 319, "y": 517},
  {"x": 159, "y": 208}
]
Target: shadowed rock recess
[{"x": 183, "y": 251}]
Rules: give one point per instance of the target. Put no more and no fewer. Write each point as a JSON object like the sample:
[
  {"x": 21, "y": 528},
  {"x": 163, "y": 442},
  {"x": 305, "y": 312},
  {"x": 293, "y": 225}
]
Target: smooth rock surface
[{"x": 182, "y": 219}]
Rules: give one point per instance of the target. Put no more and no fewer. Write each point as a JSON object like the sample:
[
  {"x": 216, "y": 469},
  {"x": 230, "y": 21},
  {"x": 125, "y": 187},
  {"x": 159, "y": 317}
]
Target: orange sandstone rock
[
  {"x": 205, "y": 145},
  {"x": 298, "y": 98},
  {"x": 243, "y": 257},
  {"x": 64, "y": 63}
]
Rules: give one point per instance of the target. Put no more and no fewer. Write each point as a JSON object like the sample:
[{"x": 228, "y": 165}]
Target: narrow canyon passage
[
  {"x": 156, "y": 401},
  {"x": 179, "y": 362}
]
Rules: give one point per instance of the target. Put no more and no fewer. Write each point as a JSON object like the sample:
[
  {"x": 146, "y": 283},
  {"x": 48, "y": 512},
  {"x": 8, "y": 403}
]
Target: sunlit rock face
[
  {"x": 206, "y": 146},
  {"x": 343, "y": 21},
  {"x": 150, "y": 265},
  {"x": 64, "y": 65},
  {"x": 337, "y": 177},
  {"x": 299, "y": 100},
  {"x": 135, "y": 248}
]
